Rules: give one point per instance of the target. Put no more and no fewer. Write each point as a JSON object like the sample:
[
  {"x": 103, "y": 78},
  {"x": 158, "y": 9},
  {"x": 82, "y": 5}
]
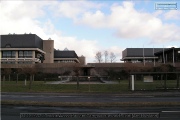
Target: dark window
[
  {"x": 25, "y": 54},
  {"x": 9, "y": 54}
]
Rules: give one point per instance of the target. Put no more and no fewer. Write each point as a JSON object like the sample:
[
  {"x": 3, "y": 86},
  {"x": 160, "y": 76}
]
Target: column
[
  {"x": 16, "y": 57},
  {"x": 33, "y": 56}
]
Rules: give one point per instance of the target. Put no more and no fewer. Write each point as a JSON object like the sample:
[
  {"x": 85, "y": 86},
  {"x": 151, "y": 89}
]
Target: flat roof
[{"x": 65, "y": 54}]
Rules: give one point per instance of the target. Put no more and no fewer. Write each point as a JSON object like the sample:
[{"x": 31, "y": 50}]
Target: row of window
[
  {"x": 65, "y": 61},
  {"x": 21, "y": 54},
  {"x": 27, "y": 62}
]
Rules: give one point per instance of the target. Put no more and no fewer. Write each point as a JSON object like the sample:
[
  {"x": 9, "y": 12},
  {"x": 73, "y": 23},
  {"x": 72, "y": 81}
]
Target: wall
[{"x": 48, "y": 47}]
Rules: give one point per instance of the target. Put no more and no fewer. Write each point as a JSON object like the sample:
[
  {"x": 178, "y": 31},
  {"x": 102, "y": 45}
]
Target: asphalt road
[
  {"x": 90, "y": 98},
  {"x": 90, "y": 113},
  {"x": 109, "y": 113}
]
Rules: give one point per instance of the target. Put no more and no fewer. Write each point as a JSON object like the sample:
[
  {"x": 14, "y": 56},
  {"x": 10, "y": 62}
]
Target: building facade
[
  {"x": 21, "y": 49},
  {"x": 170, "y": 55},
  {"x": 31, "y": 49},
  {"x": 135, "y": 55}
]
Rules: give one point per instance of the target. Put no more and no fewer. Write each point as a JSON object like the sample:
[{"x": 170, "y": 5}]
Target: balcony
[{"x": 37, "y": 60}]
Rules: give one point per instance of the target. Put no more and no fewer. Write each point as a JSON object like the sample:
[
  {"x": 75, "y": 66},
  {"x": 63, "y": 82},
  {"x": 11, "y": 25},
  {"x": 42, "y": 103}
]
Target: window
[
  {"x": 9, "y": 54},
  {"x": 25, "y": 54}
]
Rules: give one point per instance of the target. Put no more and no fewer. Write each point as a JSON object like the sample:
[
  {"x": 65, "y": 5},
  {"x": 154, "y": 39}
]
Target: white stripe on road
[{"x": 170, "y": 111}]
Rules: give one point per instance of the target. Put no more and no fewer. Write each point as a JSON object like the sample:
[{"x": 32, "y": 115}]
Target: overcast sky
[{"x": 94, "y": 25}]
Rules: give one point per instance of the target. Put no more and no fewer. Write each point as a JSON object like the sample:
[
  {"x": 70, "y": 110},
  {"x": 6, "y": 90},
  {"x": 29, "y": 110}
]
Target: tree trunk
[
  {"x": 77, "y": 83},
  {"x": 33, "y": 77},
  {"x": 17, "y": 79},
  {"x": 129, "y": 79},
  {"x": 9, "y": 77},
  {"x": 4, "y": 78},
  {"x": 30, "y": 83}
]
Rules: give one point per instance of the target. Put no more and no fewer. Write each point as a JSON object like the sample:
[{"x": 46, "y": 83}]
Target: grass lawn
[{"x": 39, "y": 86}]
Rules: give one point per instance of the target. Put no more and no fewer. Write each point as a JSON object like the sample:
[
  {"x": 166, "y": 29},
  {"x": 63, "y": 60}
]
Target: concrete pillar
[
  {"x": 48, "y": 47},
  {"x": 173, "y": 58},
  {"x": 16, "y": 57},
  {"x": 33, "y": 56}
]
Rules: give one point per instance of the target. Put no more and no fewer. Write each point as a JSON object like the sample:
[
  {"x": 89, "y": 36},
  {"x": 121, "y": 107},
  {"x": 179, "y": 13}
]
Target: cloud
[
  {"x": 83, "y": 47},
  {"x": 98, "y": 17},
  {"x": 24, "y": 17},
  {"x": 129, "y": 23},
  {"x": 172, "y": 14},
  {"x": 73, "y": 9}
]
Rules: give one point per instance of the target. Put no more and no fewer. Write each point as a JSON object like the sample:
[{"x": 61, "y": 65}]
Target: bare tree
[
  {"x": 76, "y": 72},
  {"x": 7, "y": 71},
  {"x": 29, "y": 71},
  {"x": 18, "y": 71},
  {"x": 98, "y": 57},
  {"x": 112, "y": 57},
  {"x": 106, "y": 56}
]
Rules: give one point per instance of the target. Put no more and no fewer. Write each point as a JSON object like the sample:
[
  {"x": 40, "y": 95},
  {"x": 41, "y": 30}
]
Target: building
[
  {"x": 31, "y": 49},
  {"x": 161, "y": 55},
  {"x": 65, "y": 56},
  {"x": 170, "y": 55},
  {"x": 20, "y": 49},
  {"x": 135, "y": 55}
]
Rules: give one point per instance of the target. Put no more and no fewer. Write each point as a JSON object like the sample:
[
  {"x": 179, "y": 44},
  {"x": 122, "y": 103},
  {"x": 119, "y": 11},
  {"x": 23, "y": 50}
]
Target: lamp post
[{"x": 89, "y": 83}]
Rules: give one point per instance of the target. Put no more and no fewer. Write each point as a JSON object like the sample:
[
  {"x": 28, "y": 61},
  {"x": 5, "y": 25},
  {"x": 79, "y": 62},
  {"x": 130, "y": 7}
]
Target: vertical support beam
[
  {"x": 143, "y": 56},
  {"x": 33, "y": 56},
  {"x": 154, "y": 56},
  {"x": 132, "y": 82},
  {"x": 16, "y": 57},
  {"x": 163, "y": 55},
  {"x": 173, "y": 58}
]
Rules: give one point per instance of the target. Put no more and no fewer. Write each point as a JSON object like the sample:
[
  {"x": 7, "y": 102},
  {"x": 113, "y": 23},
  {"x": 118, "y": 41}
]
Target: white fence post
[{"x": 132, "y": 82}]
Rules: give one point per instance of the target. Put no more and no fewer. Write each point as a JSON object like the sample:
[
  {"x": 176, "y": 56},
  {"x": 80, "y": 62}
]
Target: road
[
  {"x": 90, "y": 98},
  {"x": 14, "y": 112}
]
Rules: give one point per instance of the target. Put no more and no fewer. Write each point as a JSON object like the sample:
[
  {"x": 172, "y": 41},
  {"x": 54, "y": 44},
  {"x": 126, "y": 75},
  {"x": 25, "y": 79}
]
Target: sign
[
  {"x": 166, "y": 6},
  {"x": 148, "y": 78}
]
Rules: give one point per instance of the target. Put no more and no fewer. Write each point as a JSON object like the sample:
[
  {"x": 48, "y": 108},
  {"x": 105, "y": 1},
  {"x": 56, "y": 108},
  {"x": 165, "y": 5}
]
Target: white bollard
[{"x": 132, "y": 82}]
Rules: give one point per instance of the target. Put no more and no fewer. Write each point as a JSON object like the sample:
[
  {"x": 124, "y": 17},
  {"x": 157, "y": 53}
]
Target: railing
[{"x": 19, "y": 59}]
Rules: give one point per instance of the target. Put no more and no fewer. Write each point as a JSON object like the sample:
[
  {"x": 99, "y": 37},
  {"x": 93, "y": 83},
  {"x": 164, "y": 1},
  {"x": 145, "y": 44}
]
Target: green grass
[
  {"x": 154, "y": 85},
  {"x": 39, "y": 86}
]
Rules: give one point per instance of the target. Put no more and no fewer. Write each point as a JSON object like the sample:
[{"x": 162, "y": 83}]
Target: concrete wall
[
  {"x": 48, "y": 47},
  {"x": 82, "y": 60}
]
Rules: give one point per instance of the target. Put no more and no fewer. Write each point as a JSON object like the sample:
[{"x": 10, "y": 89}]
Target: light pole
[{"x": 89, "y": 83}]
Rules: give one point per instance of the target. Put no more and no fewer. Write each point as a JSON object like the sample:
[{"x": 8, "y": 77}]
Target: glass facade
[{"x": 8, "y": 54}]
